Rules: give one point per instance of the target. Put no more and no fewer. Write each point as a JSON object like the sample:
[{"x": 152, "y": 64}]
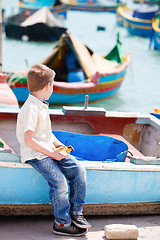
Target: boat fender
[
  {"x": 101, "y": 28},
  {"x": 25, "y": 38}
]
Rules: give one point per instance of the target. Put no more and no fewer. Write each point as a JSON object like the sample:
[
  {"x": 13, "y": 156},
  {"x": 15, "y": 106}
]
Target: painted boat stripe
[
  {"x": 139, "y": 26},
  {"x": 54, "y": 9}
]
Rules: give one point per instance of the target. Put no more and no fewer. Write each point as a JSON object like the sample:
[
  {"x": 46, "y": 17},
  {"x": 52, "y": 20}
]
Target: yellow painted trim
[
  {"x": 138, "y": 26},
  {"x": 112, "y": 82},
  {"x": 155, "y": 25},
  {"x": 122, "y": 13}
]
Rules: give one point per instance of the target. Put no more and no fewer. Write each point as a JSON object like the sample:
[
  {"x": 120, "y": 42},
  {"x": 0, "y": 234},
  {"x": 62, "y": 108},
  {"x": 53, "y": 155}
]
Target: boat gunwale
[
  {"x": 87, "y": 86},
  {"x": 52, "y": 8},
  {"x": 121, "y": 10},
  {"x": 88, "y": 6},
  {"x": 104, "y": 166}
]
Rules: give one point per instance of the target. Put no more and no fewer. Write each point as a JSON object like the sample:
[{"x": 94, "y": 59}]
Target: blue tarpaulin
[{"x": 94, "y": 147}]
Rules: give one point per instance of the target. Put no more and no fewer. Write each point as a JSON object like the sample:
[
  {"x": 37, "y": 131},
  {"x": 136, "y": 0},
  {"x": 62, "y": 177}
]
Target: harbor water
[{"x": 140, "y": 91}]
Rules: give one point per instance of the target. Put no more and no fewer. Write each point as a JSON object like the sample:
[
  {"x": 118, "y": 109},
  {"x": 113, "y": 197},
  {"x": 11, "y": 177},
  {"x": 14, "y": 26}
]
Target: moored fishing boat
[
  {"x": 29, "y": 7},
  {"x": 138, "y": 22},
  {"x": 156, "y": 113},
  {"x": 7, "y": 97},
  {"x": 92, "y": 5},
  {"x": 40, "y": 26},
  {"x": 113, "y": 186},
  {"x": 79, "y": 71}
]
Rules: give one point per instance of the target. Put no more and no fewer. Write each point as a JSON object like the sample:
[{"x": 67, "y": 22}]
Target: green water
[{"x": 140, "y": 91}]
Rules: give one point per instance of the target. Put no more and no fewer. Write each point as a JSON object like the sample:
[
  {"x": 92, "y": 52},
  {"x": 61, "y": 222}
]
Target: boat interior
[
  {"x": 107, "y": 150},
  {"x": 142, "y": 139},
  {"x": 74, "y": 62}
]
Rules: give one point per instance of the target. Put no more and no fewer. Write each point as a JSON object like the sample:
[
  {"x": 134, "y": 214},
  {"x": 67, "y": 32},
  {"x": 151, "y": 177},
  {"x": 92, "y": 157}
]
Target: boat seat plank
[{"x": 130, "y": 146}]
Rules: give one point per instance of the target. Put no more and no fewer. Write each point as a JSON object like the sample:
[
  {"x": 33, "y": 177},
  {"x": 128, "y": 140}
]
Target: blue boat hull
[
  {"x": 138, "y": 28},
  {"x": 103, "y": 186},
  {"x": 109, "y": 178},
  {"x": 22, "y": 94}
]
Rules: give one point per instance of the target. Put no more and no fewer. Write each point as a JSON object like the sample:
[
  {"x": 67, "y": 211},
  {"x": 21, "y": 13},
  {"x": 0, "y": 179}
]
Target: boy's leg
[
  {"x": 58, "y": 188},
  {"x": 59, "y": 197},
  {"x": 76, "y": 174}
]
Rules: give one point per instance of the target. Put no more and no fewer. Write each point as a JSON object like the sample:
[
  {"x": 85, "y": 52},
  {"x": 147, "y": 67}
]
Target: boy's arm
[
  {"x": 57, "y": 143},
  {"x": 33, "y": 143}
]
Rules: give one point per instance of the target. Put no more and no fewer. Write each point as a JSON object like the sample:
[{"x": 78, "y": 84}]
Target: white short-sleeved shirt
[{"x": 34, "y": 116}]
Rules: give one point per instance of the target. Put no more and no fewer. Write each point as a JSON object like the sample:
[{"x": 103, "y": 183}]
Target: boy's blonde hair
[{"x": 38, "y": 76}]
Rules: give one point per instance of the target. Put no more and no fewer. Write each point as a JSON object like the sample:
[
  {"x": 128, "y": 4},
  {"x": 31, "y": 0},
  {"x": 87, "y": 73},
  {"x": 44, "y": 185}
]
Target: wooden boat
[
  {"x": 113, "y": 187},
  {"x": 40, "y": 26},
  {"x": 29, "y": 7},
  {"x": 92, "y": 5},
  {"x": 138, "y": 22},
  {"x": 79, "y": 71},
  {"x": 156, "y": 31},
  {"x": 7, "y": 97}
]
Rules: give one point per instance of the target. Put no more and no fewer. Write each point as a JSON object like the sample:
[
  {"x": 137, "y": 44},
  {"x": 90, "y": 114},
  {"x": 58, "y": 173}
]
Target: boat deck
[{"x": 131, "y": 148}]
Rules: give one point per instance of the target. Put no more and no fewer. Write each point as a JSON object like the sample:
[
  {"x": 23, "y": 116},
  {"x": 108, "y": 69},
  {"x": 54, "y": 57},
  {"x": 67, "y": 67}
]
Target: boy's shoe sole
[{"x": 69, "y": 234}]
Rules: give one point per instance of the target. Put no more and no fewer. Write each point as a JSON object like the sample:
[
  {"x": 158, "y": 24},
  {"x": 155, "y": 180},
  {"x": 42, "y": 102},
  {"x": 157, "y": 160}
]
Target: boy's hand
[
  {"x": 56, "y": 155},
  {"x": 33, "y": 143}
]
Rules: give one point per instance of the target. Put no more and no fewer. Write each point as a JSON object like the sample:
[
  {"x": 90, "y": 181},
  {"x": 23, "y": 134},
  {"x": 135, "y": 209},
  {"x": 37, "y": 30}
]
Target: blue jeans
[{"x": 56, "y": 173}]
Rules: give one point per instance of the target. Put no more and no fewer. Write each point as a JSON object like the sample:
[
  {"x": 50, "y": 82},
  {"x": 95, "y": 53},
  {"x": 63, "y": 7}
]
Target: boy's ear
[{"x": 47, "y": 86}]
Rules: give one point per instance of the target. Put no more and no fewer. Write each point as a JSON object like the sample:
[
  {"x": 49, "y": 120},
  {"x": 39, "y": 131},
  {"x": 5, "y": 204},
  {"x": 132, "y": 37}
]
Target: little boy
[{"x": 40, "y": 148}]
